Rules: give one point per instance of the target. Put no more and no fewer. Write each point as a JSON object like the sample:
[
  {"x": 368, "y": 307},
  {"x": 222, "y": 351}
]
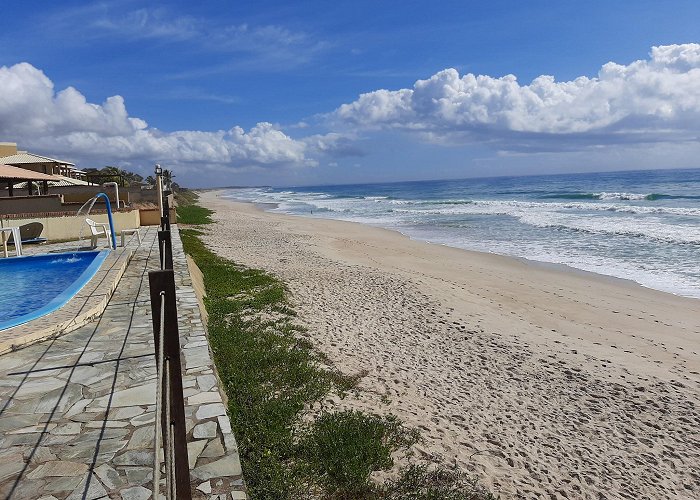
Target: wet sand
[{"x": 544, "y": 382}]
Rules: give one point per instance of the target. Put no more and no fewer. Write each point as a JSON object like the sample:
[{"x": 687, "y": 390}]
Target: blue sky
[{"x": 269, "y": 92}]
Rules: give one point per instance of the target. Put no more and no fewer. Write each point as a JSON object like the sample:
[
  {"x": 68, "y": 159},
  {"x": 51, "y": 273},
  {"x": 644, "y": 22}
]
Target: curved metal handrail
[{"x": 109, "y": 216}]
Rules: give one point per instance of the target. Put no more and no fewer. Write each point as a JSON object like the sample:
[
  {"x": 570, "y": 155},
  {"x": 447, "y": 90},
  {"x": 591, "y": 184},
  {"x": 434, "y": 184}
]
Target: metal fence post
[
  {"x": 165, "y": 219},
  {"x": 165, "y": 244},
  {"x": 164, "y": 281}
]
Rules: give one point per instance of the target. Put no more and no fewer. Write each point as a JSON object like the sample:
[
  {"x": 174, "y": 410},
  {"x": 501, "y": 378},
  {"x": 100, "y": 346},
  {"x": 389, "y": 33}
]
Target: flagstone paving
[{"x": 77, "y": 417}]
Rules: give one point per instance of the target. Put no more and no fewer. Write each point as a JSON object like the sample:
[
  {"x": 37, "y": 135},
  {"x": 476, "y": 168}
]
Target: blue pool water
[{"x": 33, "y": 286}]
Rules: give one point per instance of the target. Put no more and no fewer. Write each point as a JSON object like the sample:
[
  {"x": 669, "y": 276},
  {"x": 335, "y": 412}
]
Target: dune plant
[{"x": 273, "y": 376}]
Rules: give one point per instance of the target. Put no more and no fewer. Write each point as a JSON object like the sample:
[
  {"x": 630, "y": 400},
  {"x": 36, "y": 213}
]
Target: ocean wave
[
  {"x": 616, "y": 196},
  {"x": 569, "y": 196},
  {"x": 662, "y": 276},
  {"x": 546, "y": 216},
  {"x": 644, "y": 228},
  {"x": 376, "y": 198},
  {"x": 578, "y": 201},
  {"x": 448, "y": 202},
  {"x": 603, "y": 196},
  {"x": 626, "y": 196},
  {"x": 656, "y": 196},
  {"x": 515, "y": 208},
  {"x": 430, "y": 202},
  {"x": 629, "y": 220}
]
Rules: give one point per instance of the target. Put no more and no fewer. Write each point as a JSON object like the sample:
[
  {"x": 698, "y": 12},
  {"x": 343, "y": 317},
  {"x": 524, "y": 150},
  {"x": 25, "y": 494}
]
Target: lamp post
[{"x": 159, "y": 187}]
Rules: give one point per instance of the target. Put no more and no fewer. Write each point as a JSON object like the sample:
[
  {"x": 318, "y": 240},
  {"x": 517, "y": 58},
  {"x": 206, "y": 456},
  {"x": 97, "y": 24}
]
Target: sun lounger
[{"x": 30, "y": 233}]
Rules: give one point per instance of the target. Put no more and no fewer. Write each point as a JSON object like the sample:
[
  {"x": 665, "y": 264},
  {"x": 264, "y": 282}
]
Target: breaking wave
[{"x": 616, "y": 196}]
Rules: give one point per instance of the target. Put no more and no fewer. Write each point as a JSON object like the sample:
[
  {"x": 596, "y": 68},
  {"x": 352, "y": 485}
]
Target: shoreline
[
  {"x": 267, "y": 207},
  {"x": 539, "y": 380}
]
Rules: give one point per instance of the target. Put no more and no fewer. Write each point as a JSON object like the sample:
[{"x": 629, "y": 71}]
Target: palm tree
[
  {"x": 168, "y": 177},
  {"x": 122, "y": 175}
]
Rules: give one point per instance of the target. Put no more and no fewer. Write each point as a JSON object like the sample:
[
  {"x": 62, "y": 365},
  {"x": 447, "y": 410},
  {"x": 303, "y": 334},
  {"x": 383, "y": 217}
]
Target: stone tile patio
[{"x": 77, "y": 411}]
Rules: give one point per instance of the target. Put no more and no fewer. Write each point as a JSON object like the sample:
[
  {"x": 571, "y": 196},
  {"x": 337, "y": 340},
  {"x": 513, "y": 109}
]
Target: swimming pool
[{"x": 33, "y": 286}]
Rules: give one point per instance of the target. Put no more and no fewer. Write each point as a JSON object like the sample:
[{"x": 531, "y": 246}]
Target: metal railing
[
  {"x": 171, "y": 434},
  {"x": 165, "y": 218}
]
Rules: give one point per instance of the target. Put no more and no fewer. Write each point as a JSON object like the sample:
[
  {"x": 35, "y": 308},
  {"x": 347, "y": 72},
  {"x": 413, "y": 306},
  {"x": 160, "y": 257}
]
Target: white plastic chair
[
  {"x": 97, "y": 229},
  {"x": 130, "y": 232}
]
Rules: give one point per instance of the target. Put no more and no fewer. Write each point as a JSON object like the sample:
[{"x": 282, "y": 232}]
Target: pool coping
[{"x": 87, "y": 304}]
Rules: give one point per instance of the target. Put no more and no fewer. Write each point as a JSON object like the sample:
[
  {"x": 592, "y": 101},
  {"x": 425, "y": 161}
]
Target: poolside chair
[
  {"x": 131, "y": 232},
  {"x": 30, "y": 233},
  {"x": 98, "y": 229}
]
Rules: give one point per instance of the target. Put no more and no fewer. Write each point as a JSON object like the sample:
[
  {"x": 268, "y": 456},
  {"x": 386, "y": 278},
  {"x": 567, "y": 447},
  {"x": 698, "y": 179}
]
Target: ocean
[{"x": 638, "y": 225}]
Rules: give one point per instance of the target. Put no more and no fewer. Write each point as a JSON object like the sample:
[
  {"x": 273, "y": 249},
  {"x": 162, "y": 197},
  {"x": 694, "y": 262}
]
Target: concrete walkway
[{"x": 77, "y": 412}]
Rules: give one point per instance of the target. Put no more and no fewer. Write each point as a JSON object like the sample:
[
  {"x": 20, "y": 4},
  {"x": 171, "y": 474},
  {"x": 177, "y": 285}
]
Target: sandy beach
[{"x": 544, "y": 382}]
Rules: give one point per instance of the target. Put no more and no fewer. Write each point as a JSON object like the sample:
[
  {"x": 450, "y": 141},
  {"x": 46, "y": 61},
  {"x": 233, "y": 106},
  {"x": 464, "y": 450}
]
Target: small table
[
  {"x": 126, "y": 232},
  {"x": 16, "y": 238}
]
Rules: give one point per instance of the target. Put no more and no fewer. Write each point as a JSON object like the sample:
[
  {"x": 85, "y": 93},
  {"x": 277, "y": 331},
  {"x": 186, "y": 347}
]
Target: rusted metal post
[
  {"x": 164, "y": 281},
  {"x": 165, "y": 244},
  {"x": 165, "y": 219}
]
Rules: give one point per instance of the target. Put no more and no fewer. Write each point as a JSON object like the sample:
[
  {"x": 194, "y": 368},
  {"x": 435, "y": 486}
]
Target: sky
[{"x": 306, "y": 93}]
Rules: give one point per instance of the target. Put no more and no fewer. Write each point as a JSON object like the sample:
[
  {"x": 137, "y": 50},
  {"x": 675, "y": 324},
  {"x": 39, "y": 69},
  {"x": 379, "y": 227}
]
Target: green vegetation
[
  {"x": 344, "y": 448},
  {"x": 188, "y": 212},
  {"x": 193, "y": 214},
  {"x": 126, "y": 178},
  {"x": 269, "y": 374},
  {"x": 114, "y": 174},
  {"x": 273, "y": 377},
  {"x": 186, "y": 197},
  {"x": 436, "y": 482}
]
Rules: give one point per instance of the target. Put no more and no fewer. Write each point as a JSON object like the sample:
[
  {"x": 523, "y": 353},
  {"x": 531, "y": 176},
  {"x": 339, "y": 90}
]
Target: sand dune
[{"x": 545, "y": 382}]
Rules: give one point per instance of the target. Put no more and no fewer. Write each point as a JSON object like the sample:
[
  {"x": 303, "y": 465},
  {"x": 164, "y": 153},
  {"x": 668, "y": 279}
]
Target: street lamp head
[{"x": 159, "y": 170}]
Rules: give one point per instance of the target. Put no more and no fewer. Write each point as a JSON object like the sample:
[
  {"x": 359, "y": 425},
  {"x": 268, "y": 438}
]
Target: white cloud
[
  {"x": 32, "y": 113},
  {"x": 146, "y": 23},
  {"x": 29, "y": 106},
  {"x": 651, "y": 100},
  {"x": 261, "y": 47},
  {"x": 334, "y": 145},
  {"x": 639, "y": 105}
]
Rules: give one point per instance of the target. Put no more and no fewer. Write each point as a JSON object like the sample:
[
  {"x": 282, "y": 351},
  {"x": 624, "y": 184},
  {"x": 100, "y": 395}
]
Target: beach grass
[
  {"x": 188, "y": 212},
  {"x": 192, "y": 214},
  {"x": 344, "y": 448},
  {"x": 273, "y": 377},
  {"x": 423, "y": 482}
]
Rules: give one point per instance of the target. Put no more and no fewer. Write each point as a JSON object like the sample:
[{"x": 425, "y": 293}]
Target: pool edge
[
  {"x": 76, "y": 312},
  {"x": 65, "y": 296}
]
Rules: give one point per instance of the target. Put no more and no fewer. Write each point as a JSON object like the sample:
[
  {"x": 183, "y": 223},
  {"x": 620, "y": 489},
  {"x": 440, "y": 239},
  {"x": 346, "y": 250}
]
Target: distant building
[{"x": 9, "y": 155}]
